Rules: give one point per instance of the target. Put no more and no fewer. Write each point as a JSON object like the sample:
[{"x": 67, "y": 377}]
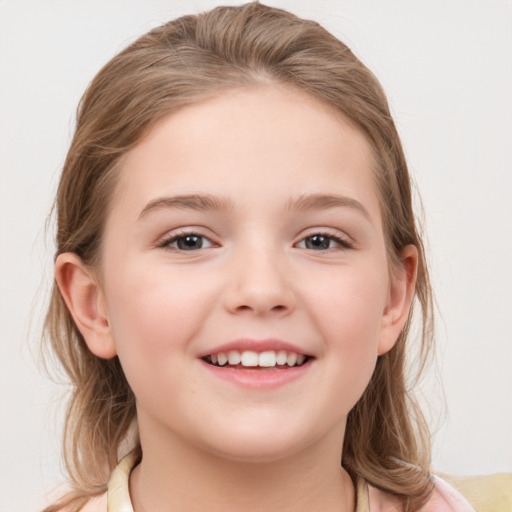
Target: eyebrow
[
  {"x": 199, "y": 202},
  {"x": 326, "y": 201},
  {"x": 208, "y": 202}
]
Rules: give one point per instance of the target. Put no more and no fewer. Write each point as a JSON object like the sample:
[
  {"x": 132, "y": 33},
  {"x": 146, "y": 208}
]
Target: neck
[{"x": 174, "y": 477}]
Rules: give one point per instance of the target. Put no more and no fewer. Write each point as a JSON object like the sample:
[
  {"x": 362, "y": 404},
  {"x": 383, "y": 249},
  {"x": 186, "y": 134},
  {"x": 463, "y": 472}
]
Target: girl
[{"x": 237, "y": 264}]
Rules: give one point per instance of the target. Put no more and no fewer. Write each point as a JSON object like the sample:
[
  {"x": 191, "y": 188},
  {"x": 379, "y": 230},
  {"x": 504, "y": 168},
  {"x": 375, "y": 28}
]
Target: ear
[
  {"x": 85, "y": 301},
  {"x": 400, "y": 297}
]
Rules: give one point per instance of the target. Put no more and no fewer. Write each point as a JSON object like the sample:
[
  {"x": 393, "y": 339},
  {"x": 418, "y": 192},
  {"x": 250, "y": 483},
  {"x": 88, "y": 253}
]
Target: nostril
[
  {"x": 277, "y": 308},
  {"x": 259, "y": 300}
]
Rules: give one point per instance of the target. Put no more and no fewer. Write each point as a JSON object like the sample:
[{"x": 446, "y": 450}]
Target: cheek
[
  {"x": 154, "y": 316},
  {"x": 154, "y": 306},
  {"x": 349, "y": 303},
  {"x": 348, "y": 314}
]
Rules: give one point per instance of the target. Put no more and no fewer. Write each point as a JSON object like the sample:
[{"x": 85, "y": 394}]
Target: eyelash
[
  {"x": 166, "y": 243},
  {"x": 343, "y": 243}
]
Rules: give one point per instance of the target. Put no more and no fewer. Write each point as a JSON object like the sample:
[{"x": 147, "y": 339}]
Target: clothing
[{"x": 491, "y": 493}]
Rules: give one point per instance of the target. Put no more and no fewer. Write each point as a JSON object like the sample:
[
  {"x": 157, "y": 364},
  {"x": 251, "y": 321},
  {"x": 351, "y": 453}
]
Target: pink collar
[
  {"x": 369, "y": 499},
  {"x": 445, "y": 498}
]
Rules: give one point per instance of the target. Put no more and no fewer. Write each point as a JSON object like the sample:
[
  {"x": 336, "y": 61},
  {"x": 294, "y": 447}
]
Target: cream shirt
[{"x": 483, "y": 494}]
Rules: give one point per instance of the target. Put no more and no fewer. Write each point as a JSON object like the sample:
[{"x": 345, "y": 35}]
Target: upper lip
[{"x": 256, "y": 346}]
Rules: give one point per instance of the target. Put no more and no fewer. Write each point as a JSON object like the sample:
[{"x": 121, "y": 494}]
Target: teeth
[
  {"x": 250, "y": 358},
  {"x": 234, "y": 357},
  {"x": 267, "y": 358},
  {"x": 281, "y": 357},
  {"x": 222, "y": 358},
  {"x": 291, "y": 359}
]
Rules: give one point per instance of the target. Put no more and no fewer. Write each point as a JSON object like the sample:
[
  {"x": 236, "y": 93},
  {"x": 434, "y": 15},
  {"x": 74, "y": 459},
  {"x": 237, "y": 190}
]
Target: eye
[
  {"x": 323, "y": 242},
  {"x": 187, "y": 242}
]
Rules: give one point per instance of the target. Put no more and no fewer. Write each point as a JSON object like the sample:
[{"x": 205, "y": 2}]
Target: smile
[{"x": 281, "y": 359}]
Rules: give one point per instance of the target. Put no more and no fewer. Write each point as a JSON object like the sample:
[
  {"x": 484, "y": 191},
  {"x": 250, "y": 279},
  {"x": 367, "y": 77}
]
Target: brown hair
[{"x": 179, "y": 63}]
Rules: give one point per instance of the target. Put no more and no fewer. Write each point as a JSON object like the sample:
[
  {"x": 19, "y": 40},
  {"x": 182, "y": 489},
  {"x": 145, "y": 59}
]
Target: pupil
[
  {"x": 189, "y": 242},
  {"x": 318, "y": 242}
]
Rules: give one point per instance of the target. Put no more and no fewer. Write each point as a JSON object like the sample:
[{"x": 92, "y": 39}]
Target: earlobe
[
  {"x": 401, "y": 294},
  {"x": 85, "y": 301}
]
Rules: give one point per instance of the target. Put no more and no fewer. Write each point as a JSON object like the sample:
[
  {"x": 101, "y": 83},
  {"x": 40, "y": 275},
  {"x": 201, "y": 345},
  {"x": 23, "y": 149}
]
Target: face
[{"x": 247, "y": 227}]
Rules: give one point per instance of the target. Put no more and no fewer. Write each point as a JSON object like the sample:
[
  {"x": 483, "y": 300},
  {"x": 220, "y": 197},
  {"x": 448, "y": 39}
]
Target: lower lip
[{"x": 258, "y": 379}]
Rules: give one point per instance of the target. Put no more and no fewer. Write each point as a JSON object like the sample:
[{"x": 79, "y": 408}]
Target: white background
[{"x": 447, "y": 68}]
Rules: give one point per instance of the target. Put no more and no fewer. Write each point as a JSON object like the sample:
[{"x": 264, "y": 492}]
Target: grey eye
[
  {"x": 318, "y": 242},
  {"x": 323, "y": 242},
  {"x": 189, "y": 242}
]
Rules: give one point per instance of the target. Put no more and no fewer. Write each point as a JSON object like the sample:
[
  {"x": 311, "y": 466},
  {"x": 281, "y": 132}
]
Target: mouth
[{"x": 253, "y": 360}]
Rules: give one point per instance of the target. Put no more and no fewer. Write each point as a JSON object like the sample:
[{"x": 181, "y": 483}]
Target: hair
[{"x": 180, "y": 63}]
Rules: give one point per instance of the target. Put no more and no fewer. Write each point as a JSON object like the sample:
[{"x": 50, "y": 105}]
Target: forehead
[{"x": 262, "y": 142}]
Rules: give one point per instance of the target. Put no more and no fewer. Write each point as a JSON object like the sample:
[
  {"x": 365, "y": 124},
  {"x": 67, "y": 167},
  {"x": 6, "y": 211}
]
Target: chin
[
  {"x": 259, "y": 443},
  {"x": 256, "y": 454}
]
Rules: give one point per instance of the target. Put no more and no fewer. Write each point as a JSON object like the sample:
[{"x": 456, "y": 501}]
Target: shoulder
[
  {"x": 486, "y": 493},
  {"x": 491, "y": 493},
  {"x": 96, "y": 504}
]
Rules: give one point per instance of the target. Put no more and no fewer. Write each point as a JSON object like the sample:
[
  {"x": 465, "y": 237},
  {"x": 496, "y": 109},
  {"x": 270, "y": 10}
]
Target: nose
[{"x": 259, "y": 284}]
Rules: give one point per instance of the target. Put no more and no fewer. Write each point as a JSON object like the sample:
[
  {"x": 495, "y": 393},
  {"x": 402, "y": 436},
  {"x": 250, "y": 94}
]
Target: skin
[{"x": 210, "y": 444}]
